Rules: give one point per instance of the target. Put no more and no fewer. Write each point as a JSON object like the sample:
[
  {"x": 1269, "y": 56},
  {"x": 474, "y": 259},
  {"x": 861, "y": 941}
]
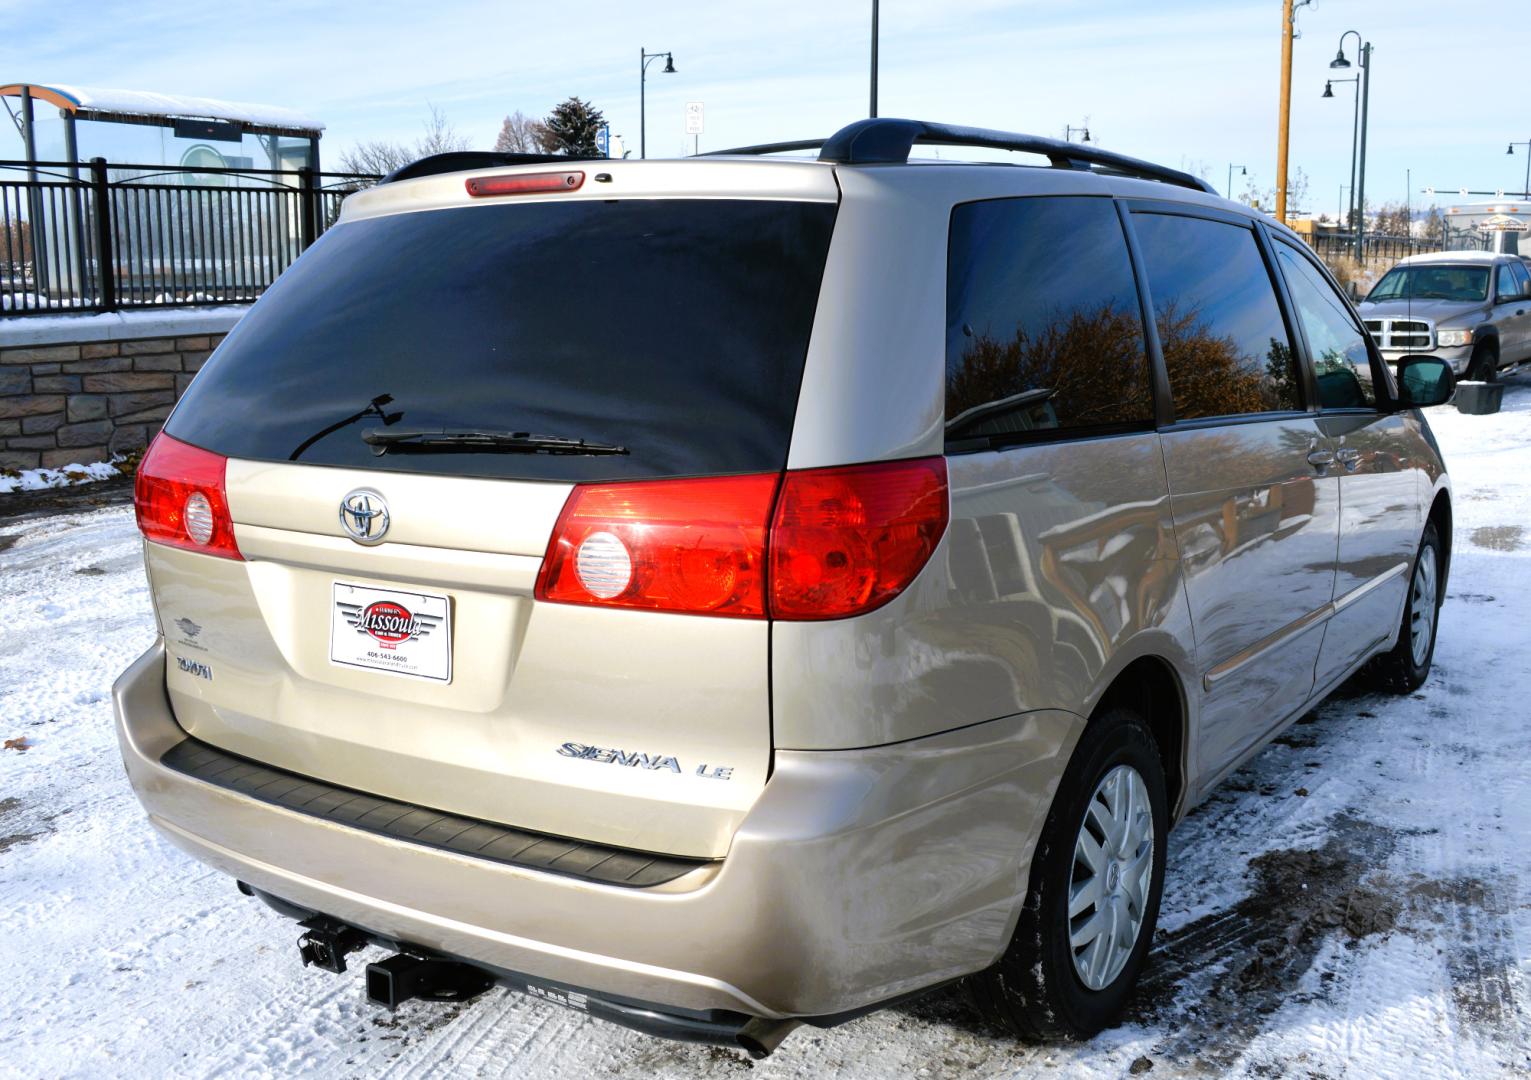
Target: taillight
[
  {"x": 695, "y": 546},
  {"x": 179, "y": 498},
  {"x": 847, "y": 540},
  {"x": 842, "y": 541},
  {"x": 524, "y": 183}
]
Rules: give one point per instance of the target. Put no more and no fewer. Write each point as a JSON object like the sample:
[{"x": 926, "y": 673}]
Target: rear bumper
[{"x": 857, "y": 877}]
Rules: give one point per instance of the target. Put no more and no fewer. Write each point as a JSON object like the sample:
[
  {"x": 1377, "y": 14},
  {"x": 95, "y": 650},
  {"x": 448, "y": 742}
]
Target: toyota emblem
[{"x": 364, "y": 516}]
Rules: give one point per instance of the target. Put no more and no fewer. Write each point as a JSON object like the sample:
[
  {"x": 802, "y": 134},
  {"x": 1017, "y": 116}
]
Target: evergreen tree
[{"x": 572, "y": 127}]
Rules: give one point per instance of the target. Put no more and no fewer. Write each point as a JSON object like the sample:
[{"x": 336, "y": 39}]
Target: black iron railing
[
  {"x": 1388, "y": 249},
  {"x": 100, "y": 236}
]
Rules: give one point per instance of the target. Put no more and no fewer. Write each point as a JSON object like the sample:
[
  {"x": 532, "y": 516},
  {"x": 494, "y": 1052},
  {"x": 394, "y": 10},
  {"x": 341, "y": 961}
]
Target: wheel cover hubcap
[
  {"x": 1111, "y": 877},
  {"x": 1422, "y": 594}
]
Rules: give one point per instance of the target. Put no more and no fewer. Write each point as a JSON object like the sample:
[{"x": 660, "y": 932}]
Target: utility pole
[
  {"x": 872, "y": 111},
  {"x": 1366, "y": 90},
  {"x": 1284, "y": 116}
]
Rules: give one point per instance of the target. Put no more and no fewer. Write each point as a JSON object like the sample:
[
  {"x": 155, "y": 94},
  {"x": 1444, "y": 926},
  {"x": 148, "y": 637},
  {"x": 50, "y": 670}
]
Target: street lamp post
[
  {"x": 1355, "y": 120},
  {"x": 1525, "y": 192},
  {"x": 1364, "y": 58},
  {"x": 1243, "y": 171},
  {"x": 1070, "y": 129},
  {"x": 646, "y": 58}
]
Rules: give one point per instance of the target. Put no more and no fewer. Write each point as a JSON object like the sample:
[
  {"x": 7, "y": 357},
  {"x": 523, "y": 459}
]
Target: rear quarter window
[{"x": 1044, "y": 330}]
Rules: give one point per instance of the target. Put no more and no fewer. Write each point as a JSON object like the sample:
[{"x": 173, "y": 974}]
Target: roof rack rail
[
  {"x": 886, "y": 140},
  {"x": 462, "y": 160}
]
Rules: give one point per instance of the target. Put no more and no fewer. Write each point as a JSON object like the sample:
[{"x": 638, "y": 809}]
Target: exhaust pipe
[
  {"x": 760, "y": 1037},
  {"x": 396, "y": 980}
]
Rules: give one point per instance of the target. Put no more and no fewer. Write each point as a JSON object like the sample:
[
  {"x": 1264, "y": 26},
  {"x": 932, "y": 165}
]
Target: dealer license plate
[{"x": 404, "y": 633}]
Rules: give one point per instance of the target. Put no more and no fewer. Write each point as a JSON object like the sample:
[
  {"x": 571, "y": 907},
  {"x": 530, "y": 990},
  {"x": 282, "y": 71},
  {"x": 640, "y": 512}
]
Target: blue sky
[{"x": 1190, "y": 83}]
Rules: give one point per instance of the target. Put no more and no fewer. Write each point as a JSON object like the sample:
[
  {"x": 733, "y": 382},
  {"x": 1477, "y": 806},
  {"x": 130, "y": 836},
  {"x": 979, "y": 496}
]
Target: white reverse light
[
  {"x": 199, "y": 517},
  {"x": 604, "y": 565}
]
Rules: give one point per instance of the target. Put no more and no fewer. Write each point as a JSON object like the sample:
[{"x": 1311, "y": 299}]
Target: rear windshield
[
  {"x": 675, "y": 329},
  {"x": 1464, "y": 283}
]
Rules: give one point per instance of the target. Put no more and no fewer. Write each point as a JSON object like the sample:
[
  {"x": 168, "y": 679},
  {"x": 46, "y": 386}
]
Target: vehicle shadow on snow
[{"x": 1212, "y": 985}]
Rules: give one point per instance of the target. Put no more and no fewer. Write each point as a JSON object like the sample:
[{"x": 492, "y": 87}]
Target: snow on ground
[
  {"x": 1356, "y": 902},
  {"x": 38, "y": 479}
]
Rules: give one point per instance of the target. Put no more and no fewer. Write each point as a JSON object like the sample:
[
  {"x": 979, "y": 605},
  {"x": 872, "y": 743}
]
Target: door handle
[{"x": 1320, "y": 459}]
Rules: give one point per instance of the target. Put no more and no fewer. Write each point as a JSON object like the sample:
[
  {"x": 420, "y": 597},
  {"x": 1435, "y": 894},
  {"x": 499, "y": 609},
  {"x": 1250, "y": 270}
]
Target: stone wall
[
  {"x": 64, "y": 404},
  {"x": 77, "y": 389}
]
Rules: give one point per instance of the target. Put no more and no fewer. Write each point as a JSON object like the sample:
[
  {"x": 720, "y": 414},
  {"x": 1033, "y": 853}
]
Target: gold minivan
[{"x": 738, "y": 592}]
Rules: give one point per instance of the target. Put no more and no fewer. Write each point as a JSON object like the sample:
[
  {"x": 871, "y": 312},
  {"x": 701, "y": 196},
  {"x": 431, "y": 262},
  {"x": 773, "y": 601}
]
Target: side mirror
[{"x": 1424, "y": 381}]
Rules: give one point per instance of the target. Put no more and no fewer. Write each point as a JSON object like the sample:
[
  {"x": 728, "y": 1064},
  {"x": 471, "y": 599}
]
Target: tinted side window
[
  {"x": 1338, "y": 347},
  {"x": 1522, "y": 277},
  {"x": 1225, "y": 343},
  {"x": 1043, "y": 324},
  {"x": 1508, "y": 288}
]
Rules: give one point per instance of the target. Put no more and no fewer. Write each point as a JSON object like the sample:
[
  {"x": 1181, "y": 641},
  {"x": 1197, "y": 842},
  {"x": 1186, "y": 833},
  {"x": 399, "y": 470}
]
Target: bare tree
[
  {"x": 382, "y": 156},
  {"x": 521, "y": 134},
  {"x": 1392, "y": 219},
  {"x": 1434, "y": 225},
  {"x": 440, "y": 136},
  {"x": 1265, "y": 198}
]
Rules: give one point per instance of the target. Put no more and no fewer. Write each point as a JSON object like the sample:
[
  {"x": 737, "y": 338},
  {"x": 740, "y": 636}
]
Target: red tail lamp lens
[
  {"x": 847, "y": 540},
  {"x": 695, "y": 546},
  {"x": 842, "y": 542},
  {"x": 525, "y": 183},
  {"x": 180, "y": 499}
]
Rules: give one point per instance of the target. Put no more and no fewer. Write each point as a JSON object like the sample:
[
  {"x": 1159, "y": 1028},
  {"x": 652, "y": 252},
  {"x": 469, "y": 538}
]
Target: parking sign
[
  {"x": 693, "y": 118},
  {"x": 603, "y": 141}
]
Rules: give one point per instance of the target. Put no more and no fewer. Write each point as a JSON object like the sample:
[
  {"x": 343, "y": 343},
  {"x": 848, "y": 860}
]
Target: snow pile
[
  {"x": 148, "y": 103},
  {"x": 38, "y": 479}
]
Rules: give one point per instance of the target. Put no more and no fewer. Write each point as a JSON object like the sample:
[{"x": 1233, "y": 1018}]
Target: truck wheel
[
  {"x": 1405, "y": 668},
  {"x": 1096, "y": 878},
  {"x": 1484, "y": 366}
]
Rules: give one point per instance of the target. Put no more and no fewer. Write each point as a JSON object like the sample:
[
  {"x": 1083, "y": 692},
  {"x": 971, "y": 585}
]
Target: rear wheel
[
  {"x": 1484, "y": 366},
  {"x": 1406, "y": 667},
  {"x": 1096, "y": 876}
]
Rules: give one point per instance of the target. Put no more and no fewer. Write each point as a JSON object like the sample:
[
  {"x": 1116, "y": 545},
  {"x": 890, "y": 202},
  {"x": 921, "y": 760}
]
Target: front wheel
[
  {"x": 1484, "y": 366},
  {"x": 1093, "y": 902},
  {"x": 1405, "y": 668}
]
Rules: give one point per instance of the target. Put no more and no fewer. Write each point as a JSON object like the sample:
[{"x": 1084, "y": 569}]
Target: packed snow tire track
[{"x": 1355, "y": 902}]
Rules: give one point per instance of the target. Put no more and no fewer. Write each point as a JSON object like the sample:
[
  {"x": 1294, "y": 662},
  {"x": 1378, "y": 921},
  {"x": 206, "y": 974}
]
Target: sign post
[{"x": 694, "y": 124}]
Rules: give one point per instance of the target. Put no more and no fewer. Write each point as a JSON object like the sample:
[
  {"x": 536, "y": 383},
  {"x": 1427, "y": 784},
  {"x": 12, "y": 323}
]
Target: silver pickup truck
[{"x": 1471, "y": 309}]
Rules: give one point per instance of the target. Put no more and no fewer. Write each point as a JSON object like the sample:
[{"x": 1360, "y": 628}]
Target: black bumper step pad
[{"x": 421, "y": 825}]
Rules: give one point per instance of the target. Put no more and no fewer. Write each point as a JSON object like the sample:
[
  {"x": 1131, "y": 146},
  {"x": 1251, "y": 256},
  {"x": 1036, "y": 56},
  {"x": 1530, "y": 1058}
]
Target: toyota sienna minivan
[{"x": 740, "y": 592}]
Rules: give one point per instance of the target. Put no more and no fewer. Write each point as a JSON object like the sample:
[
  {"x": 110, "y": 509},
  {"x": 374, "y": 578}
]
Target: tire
[
  {"x": 1037, "y": 990},
  {"x": 1404, "y": 668},
  {"x": 1484, "y": 366}
]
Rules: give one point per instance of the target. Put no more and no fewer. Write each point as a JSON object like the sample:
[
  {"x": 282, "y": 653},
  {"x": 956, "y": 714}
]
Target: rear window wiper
[{"x": 475, "y": 440}]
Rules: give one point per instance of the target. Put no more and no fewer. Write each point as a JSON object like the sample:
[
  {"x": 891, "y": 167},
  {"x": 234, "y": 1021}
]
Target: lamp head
[
  {"x": 1328, "y": 89},
  {"x": 669, "y": 65},
  {"x": 1339, "y": 60}
]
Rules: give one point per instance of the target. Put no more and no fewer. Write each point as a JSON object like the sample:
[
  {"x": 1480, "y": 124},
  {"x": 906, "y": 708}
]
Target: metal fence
[
  {"x": 99, "y": 236},
  {"x": 1388, "y": 249}
]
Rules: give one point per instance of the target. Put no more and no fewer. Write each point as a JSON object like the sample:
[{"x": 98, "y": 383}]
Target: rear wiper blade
[{"x": 475, "y": 440}]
